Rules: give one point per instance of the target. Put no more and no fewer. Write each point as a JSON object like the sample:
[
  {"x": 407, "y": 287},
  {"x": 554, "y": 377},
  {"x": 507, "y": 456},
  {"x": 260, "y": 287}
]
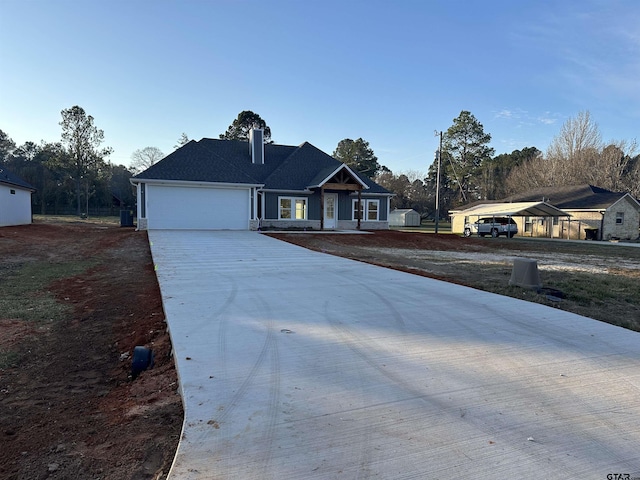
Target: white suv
[{"x": 494, "y": 226}]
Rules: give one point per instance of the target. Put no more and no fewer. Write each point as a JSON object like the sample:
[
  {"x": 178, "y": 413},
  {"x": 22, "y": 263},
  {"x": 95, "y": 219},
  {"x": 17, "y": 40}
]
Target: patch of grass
[
  {"x": 426, "y": 227},
  {"x": 8, "y": 359},
  {"x": 609, "y": 298},
  {"x": 24, "y": 294},
  {"x": 108, "y": 220}
]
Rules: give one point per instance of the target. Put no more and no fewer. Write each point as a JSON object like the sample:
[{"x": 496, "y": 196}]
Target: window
[
  {"x": 528, "y": 224},
  {"x": 619, "y": 218},
  {"x": 370, "y": 207},
  {"x": 12, "y": 192},
  {"x": 372, "y": 210},
  {"x": 292, "y": 208}
]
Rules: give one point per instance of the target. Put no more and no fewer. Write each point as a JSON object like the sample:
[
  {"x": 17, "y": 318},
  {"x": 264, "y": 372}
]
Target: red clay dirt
[{"x": 69, "y": 408}]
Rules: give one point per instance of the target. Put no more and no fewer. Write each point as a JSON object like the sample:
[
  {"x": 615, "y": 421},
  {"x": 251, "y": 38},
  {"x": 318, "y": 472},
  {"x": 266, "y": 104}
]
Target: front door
[{"x": 330, "y": 210}]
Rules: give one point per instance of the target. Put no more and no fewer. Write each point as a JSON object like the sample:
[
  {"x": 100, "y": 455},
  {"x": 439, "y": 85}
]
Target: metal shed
[{"x": 404, "y": 217}]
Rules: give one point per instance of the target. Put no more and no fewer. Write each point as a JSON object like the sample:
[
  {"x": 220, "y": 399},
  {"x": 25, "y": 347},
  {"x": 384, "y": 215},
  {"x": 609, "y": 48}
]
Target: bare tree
[
  {"x": 528, "y": 176},
  {"x": 578, "y": 155},
  {"x": 620, "y": 168},
  {"x": 143, "y": 159},
  {"x": 577, "y": 136}
]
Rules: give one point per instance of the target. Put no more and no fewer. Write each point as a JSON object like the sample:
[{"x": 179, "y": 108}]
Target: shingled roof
[
  {"x": 229, "y": 161},
  {"x": 8, "y": 178},
  {"x": 573, "y": 197}
]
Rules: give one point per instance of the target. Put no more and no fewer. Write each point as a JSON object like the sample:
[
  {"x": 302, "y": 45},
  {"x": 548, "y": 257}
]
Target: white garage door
[{"x": 198, "y": 208}]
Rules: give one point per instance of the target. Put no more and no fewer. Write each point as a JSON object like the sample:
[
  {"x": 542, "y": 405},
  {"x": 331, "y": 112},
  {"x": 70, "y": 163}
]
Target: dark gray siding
[
  {"x": 271, "y": 205},
  {"x": 313, "y": 205}
]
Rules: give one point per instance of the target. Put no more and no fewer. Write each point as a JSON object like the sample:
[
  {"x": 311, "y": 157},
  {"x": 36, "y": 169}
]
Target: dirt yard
[{"x": 68, "y": 406}]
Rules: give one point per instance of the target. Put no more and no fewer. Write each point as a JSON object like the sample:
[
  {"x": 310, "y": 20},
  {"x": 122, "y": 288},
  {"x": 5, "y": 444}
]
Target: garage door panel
[{"x": 197, "y": 208}]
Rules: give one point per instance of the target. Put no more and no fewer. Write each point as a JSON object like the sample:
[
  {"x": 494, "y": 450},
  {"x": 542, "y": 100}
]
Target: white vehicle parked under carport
[{"x": 494, "y": 226}]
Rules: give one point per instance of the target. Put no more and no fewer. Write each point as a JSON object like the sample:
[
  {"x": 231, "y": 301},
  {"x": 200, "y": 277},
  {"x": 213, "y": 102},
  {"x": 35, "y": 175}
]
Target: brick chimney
[{"x": 256, "y": 145}]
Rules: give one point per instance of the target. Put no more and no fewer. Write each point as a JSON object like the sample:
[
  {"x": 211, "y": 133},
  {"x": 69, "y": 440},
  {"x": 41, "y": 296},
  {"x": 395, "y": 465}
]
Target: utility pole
[{"x": 439, "y": 158}]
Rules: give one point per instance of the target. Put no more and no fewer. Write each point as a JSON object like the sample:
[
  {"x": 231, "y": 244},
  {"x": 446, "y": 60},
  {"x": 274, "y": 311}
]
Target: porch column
[
  {"x": 359, "y": 207},
  {"x": 322, "y": 208}
]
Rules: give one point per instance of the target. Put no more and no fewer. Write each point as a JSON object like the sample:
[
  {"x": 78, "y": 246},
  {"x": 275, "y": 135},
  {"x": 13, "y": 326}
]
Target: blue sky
[{"x": 391, "y": 72}]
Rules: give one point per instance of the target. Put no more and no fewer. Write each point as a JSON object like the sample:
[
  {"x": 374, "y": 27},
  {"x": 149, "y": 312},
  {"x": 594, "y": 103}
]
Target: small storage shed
[
  {"x": 15, "y": 199},
  {"x": 404, "y": 217}
]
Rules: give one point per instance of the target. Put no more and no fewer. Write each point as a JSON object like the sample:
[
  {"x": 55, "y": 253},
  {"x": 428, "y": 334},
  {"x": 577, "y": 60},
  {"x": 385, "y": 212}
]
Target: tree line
[
  {"x": 470, "y": 171},
  {"x": 74, "y": 175}
]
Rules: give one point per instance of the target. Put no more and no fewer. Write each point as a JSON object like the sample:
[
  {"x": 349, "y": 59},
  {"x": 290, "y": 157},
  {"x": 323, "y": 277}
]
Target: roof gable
[
  {"x": 9, "y": 178},
  {"x": 342, "y": 174},
  {"x": 629, "y": 198}
]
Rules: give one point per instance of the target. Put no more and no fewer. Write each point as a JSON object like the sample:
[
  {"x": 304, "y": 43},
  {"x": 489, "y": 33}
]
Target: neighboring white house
[
  {"x": 404, "y": 217},
  {"x": 15, "y": 200}
]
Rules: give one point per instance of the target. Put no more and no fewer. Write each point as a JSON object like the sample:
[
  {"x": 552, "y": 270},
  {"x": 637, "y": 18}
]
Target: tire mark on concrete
[
  {"x": 395, "y": 314},
  {"x": 271, "y": 345},
  {"x": 269, "y": 351},
  {"x": 222, "y": 323},
  {"x": 365, "y": 447}
]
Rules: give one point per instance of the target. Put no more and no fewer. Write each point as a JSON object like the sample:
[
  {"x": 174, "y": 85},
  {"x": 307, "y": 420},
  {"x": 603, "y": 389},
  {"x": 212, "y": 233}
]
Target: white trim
[
  {"x": 365, "y": 209},
  {"x": 622, "y": 198},
  {"x": 372, "y": 194},
  {"x": 195, "y": 207},
  {"x": 335, "y": 211},
  {"x": 270, "y": 190},
  {"x": 293, "y": 209},
  {"x": 187, "y": 183},
  {"x": 340, "y": 167},
  {"x": 19, "y": 187}
]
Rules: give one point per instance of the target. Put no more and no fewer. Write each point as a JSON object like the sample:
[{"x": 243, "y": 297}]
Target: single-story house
[
  {"x": 587, "y": 212},
  {"x": 248, "y": 185},
  {"x": 404, "y": 217},
  {"x": 15, "y": 199}
]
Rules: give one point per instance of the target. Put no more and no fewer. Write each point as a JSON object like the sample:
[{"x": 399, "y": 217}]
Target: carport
[
  {"x": 295, "y": 364},
  {"x": 537, "y": 210}
]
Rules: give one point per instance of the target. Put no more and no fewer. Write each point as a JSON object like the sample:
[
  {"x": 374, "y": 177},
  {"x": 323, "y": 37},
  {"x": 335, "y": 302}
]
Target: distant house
[
  {"x": 588, "y": 212},
  {"x": 404, "y": 217},
  {"x": 15, "y": 199},
  {"x": 241, "y": 185}
]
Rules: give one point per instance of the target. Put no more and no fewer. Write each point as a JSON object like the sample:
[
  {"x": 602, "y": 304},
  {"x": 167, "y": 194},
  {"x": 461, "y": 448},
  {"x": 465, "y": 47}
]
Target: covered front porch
[{"x": 336, "y": 200}]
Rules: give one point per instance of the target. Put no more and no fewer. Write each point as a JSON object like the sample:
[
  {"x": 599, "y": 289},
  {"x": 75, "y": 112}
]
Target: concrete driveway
[{"x": 299, "y": 365}]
